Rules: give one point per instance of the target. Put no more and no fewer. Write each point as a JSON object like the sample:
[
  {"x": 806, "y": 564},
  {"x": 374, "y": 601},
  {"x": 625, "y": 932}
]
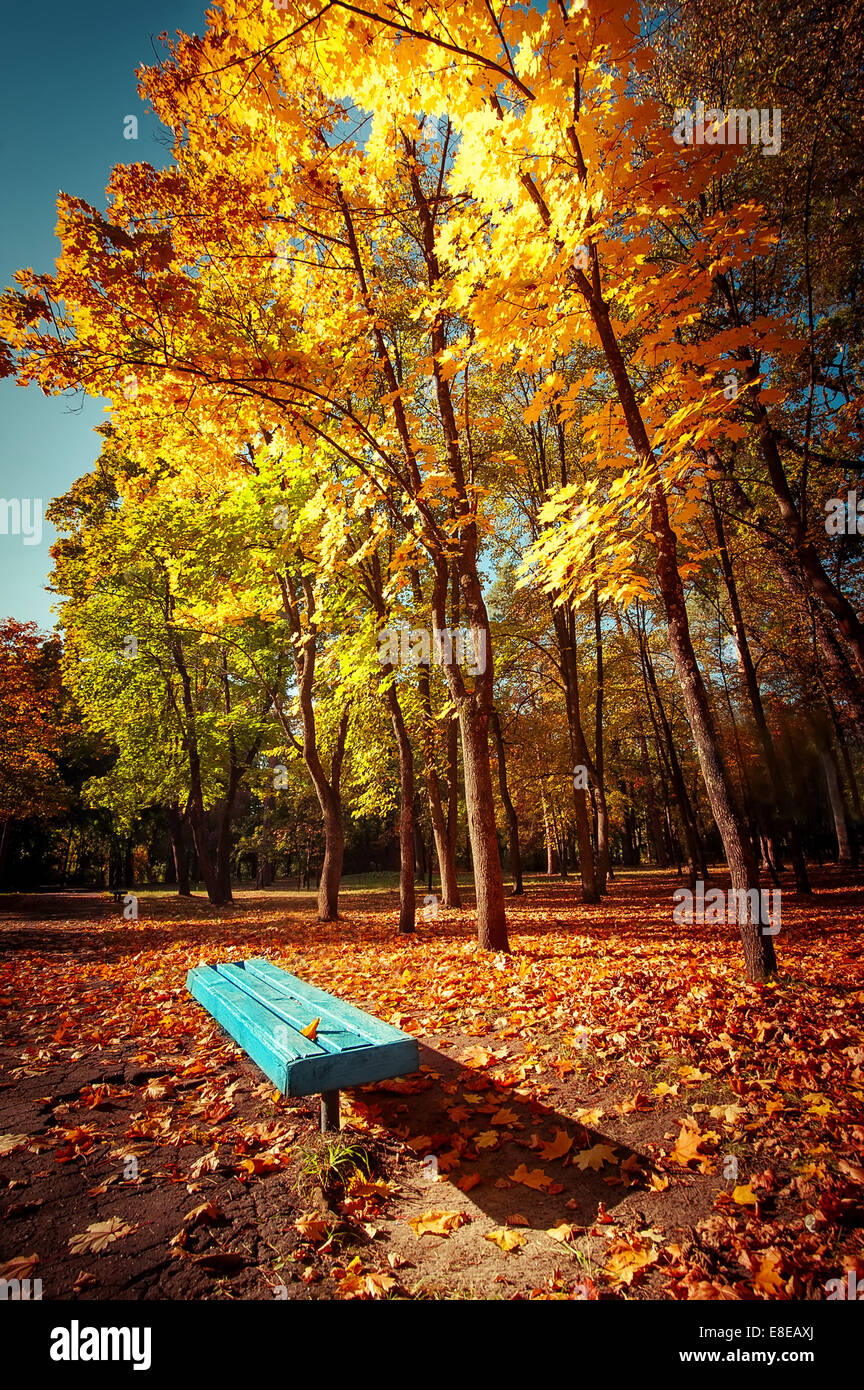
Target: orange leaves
[
  {"x": 311, "y": 1226},
  {"x": 266, "y": 1162},
  {"x": 595, "y": 1157},
  {"x": 629, "y": 1259},
  {"x": 311, "y": 1029},
  {"x": 744, "y": 1196},
  {"x": 689, "y": 1144},
  {"x": 559, "y": 1146},
  {"x": 536, "y": 1178},
  {"x": 634, "y": 1103},
  {"x": 354, "y": 1282},
  {"x": 9, "y": 1143},
  {"x": 563, "y": 1233},
  {"x": 19, "y": 1267},
  {"x": 506, "y": 1239},
  {"x": 505, "y": 1117},
  {"x": 437, "y": 1223}
]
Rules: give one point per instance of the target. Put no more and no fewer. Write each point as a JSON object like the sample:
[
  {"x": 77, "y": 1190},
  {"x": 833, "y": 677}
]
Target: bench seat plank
[
  {"x": 321, "y": 1002},
  {"x": 264, "y": 1008},
  {"x": 331, "y": 1036}
]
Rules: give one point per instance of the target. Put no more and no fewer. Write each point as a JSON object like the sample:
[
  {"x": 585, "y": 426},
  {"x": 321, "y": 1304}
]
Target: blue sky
[{"x": 67, "y": 81}]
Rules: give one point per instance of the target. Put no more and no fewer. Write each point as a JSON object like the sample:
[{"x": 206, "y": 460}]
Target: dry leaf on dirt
[
  {"x": 10, "y": 1142},
  {"x": 19, "y": 1267},
  {"x": 505, "y": 1239},
  {"x": 99, "y": 1236},
  {"x": 437, "y": 1223},
  {"x": 311, "y": 1225},
  {"x": 595, "y": 1157},
  {"x": 558, "y": 1147},
  {"x": 628, "y": 1260}
]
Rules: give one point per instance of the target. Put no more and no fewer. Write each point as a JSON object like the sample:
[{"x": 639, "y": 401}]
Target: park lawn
[{"x": 611, "y": 1111}]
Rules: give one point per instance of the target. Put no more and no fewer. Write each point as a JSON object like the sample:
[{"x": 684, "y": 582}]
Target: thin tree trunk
[
  {"x": 838, "y": 810},
  {"x": 780, "y": 792},
  {"x": 178, "y": 849},
  {"x": 407, "y": 900},
  {"x": 512, "y": 820},
  {"x": 758, "y": 949},
  {"x": 564, "y": 632},
  {"x": 443, "y": 830},
  {"x": 696, "y": 866},
  {"x": 604, "y": 870}
]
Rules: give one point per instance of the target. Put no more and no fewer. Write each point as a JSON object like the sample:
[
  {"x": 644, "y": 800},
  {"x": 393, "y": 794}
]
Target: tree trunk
[
  {"x": 485, "y": 855},
  {"x": 780, "y": 792},
  {"x": 264, "y": 871},
  {"x": 655, "y": 837},
  {"x": 512, "y": 820},
  {"x": 838, "y": 810},
  {"x": 326, "y": 788},
  {"x": 178, "y": 849},
  {"x": 201, "y": 838},
  {"x": 604, "y": 869},
  {"x": 223, "y": 855},
  {"x": 695, "y": 852},
  {"x": 565, "y": 636},
  {"x": 331, "y": 869},
  {"x": 758, "y": 949},
  {"x": 443, "y": 830},
  {"x": 407, "y": 902}
]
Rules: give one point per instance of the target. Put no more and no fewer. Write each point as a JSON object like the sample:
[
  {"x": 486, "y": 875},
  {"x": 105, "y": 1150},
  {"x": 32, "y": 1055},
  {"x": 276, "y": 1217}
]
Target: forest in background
[{"x": 434, "y": 326}]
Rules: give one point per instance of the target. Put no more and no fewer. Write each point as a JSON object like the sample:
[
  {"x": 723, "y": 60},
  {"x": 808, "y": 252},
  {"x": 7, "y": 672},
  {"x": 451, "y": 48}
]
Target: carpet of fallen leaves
[{"x": 611, "y": 1111}]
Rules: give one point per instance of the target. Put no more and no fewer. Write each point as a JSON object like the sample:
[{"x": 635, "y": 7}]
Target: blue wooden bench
[{"x": 265, "y": 1009}]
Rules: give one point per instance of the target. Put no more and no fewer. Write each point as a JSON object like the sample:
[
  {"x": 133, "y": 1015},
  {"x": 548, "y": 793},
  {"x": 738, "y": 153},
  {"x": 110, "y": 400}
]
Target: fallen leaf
[
  {"x": 558, "y": 1147},
  {"x": 505, "y": 1239},
  {"x": 437, "y": 1223},
  {"x": 745, "y": 1196},
  {"x": 563, "y": 1232},
  {"x": 19, "y": 1267},
  {"x": 505, "y": 1117},
  {"x": 688, "y": 1145},
  {"x": 536, "y": 1178},
  {"x": 628, "y": 1260},
  {"x": 99, "y": 1236},
  {"x": 10, "y": 1142},
  {"x": 595, "y": 1157},
  {"x": 208, "y": 1214},
  {"x": 766, "y": 1277},
  {"x": 311, "y": 1225}
]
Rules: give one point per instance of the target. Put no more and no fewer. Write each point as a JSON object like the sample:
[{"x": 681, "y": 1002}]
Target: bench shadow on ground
[{"x": 435, "y": 1119}]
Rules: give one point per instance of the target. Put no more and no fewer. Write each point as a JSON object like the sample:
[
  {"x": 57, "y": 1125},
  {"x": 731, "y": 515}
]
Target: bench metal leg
[{"x": 329, "y": 1111}]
